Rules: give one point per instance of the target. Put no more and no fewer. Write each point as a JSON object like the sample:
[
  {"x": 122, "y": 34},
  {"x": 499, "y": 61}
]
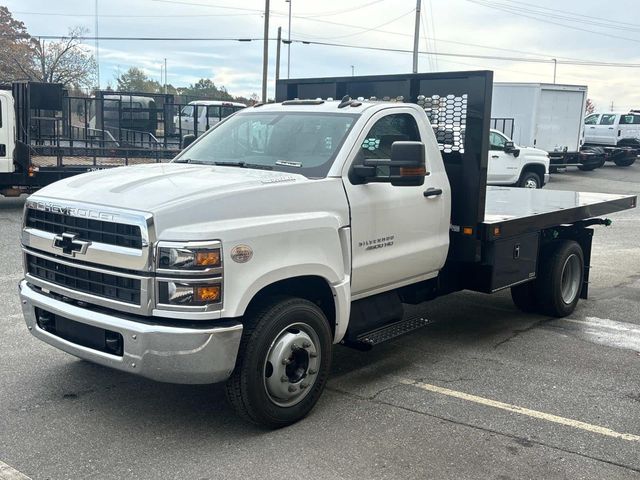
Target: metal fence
[
  {"x": 505, "y": 125},
  {"x": 153, "y": 125}
]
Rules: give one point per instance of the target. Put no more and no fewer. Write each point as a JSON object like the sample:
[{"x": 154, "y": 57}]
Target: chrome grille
[
  {"x": 119, "y": 234},
  {"x": 106, "y": 285}
]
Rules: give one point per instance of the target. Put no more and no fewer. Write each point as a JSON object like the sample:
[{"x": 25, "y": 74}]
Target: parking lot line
[
  {"x": 7, "y": 472},
  {"x": 524, "y": 411}
]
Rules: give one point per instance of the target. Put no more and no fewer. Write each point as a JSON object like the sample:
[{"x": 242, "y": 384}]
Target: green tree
[
  {"x": 205, "y": 88},
  {"x": 136, "y": 80}
]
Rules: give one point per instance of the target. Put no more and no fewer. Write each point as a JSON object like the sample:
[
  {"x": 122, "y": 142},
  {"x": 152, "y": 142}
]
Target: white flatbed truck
[{"x": 291, "y": 227}]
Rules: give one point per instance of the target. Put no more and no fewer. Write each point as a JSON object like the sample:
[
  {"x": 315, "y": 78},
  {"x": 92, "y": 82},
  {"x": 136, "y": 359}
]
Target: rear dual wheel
[{"x": 557, "y": 289}]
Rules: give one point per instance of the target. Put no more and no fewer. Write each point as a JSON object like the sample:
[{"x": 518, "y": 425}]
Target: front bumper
[
  {"x": 164, "y": 353},
  {"x": 546, "y": 179}
]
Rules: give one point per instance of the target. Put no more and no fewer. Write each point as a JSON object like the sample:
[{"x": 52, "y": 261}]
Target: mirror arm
[{"x": 366, "y": 172}]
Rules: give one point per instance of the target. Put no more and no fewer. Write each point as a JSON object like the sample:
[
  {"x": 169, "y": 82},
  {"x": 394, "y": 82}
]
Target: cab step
[{"x": 368, "y": 340}]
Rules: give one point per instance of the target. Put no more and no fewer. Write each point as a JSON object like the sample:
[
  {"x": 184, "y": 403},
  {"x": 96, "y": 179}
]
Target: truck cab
[
  {"x": 613, "y": 129},
  {"x": 510, "y": 164},
  {"x": 7, "y": 131}
]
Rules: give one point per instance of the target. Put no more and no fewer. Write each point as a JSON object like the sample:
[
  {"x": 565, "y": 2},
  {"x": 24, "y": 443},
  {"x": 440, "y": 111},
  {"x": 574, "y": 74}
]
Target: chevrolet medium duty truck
[{"x": 294, "y": 226}]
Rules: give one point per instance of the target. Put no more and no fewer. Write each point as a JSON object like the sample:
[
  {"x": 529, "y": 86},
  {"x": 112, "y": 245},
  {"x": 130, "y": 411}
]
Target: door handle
[
  {"x": 432, "y": 192},
  {"x": 495, "y": 156},
  {"x": 610, "y": 128}
]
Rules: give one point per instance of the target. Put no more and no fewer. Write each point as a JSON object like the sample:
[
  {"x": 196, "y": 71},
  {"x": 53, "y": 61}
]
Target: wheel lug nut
[
  {"x": 312, "y": 371},
  {"x": 303, "y": 386},
  {"x": 292, "y": 388},
  {"x": 306, "y": 345},
  {"x": 313, "y": 354},
  {"x": 295, "y": 347},
  {"x": 284, "y": 378},
  {"x": 286, "y": 361}
]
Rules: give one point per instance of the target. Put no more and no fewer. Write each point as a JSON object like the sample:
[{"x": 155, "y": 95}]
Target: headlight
[
  {"x": 189, "y": 276},
  {"x": 194, "y": 258},
  {"x": 176, "y": 292}
]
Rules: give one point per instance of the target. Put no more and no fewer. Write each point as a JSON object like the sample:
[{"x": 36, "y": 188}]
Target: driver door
[{"x": 398, "y": 235}]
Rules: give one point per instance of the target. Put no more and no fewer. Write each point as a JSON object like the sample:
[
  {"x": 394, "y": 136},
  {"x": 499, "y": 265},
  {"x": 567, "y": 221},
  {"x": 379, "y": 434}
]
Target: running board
[{"x": 368, "y": 340}]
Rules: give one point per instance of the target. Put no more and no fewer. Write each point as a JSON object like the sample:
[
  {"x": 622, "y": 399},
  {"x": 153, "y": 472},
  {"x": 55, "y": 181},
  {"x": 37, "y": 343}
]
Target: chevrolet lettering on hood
[{"x": 72, "y": 211}]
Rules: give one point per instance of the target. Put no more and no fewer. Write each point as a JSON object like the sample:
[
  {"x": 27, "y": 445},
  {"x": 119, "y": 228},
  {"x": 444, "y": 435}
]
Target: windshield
[{"x": 292, "y": 142}]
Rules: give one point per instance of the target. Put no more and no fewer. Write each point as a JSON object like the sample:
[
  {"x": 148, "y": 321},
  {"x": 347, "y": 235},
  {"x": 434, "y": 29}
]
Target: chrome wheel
[
  {"x": 530, "y": 183},
  {"x": 570, "y": 279},
  {"x": 292, "y": 364}
]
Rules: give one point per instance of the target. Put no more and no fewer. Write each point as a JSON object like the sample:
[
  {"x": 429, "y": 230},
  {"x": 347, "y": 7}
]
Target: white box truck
[{"x": 551, "y": 117}]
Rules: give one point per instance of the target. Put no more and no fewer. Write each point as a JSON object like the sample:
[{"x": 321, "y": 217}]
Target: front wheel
[
  {"x": 283, "y": 362},
  {"x": 530, "y": 180}
]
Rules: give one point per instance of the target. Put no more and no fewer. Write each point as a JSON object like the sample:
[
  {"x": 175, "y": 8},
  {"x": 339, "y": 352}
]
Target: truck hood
[
  {"x": 182, "y": 194},
  {"x": 531, "y": 151}
]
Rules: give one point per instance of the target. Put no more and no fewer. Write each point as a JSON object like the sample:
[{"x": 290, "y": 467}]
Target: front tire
[
  {"x": 530, "y": 180},
  {"x": 283, "y": 362}
]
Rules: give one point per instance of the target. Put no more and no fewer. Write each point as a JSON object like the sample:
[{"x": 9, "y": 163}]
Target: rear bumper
[{"x": 172, "y": 354}]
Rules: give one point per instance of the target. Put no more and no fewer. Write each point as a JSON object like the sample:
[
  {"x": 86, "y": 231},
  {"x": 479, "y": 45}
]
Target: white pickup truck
[
  {"x": 291, "y": 227},
  {"x": 510, "y": 164},
  {"x": 612, "y": 129}
]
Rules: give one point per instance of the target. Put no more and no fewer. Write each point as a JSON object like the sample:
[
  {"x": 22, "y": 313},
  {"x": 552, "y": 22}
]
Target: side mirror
[
  {"x": 510, "y": 147},
  {"x": 188, "y": 140},
  {"x": 408, "y": 167}
]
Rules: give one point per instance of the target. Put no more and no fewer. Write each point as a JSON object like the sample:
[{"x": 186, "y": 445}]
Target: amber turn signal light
[
  {"x": 413, "y": 172},
  {"x": 207, "y": 258},
  {"x": 209, "y": 293}
]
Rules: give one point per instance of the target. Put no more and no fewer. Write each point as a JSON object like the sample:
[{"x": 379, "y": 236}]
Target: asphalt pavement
[{"x": 483, "y": 392}]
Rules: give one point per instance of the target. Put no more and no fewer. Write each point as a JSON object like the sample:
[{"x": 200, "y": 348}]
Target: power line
[
  {"x": 614, "y": 23},
  {"x": 468, "y": 55},
  {"x": 369, "y": 29},
  {"x": 143, "y": 39},
  {"x": 507, "y": 9},
  {"x": 426, "y": 41},
  {"x": 333, "y": 44},
  {"x": 433, "y": 30},
  {"x": 57, "y": 14},
  {"x": 339, "y": 12}
]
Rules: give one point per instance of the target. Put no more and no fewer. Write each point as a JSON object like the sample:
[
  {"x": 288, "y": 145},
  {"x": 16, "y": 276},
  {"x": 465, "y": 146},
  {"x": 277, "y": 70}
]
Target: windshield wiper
[
  {"x": 244, "y": 165},
  {"x": 189, "y": 160}
]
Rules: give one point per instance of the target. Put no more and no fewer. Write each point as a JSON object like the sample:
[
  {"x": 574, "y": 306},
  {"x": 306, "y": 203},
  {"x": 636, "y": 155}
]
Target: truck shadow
[{"x": 460, "y": 322}]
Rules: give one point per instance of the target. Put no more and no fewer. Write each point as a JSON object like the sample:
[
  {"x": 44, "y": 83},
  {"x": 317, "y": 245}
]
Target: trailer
[
  {"x": 47, "y": 134},
  {"x": 551, "y": 117}
]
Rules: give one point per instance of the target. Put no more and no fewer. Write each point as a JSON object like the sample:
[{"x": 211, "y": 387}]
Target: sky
[{"x": 571, "y": 30}]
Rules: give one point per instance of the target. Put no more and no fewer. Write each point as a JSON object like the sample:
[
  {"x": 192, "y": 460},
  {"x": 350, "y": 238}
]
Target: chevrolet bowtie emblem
[{"x": 69, "y": 245}]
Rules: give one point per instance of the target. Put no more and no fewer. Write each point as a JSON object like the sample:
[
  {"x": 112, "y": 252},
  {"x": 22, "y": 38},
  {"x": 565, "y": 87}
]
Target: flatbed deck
[{"x": 515, "y": 211}]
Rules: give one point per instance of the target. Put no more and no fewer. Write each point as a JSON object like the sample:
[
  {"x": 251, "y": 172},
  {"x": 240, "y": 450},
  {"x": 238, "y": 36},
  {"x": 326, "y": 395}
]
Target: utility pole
[
  {"x": 97, "y": 31},
  {"x": 353, "y": 70},
  {"x": 165, "y": 75},
  {"x": 416, "y": 38},
  {"x": 289, "y": 41},
  {"x": 555, "y": 67},
  {"x": 265, "y": 52},
  {"x": 279, "y": 40}
]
